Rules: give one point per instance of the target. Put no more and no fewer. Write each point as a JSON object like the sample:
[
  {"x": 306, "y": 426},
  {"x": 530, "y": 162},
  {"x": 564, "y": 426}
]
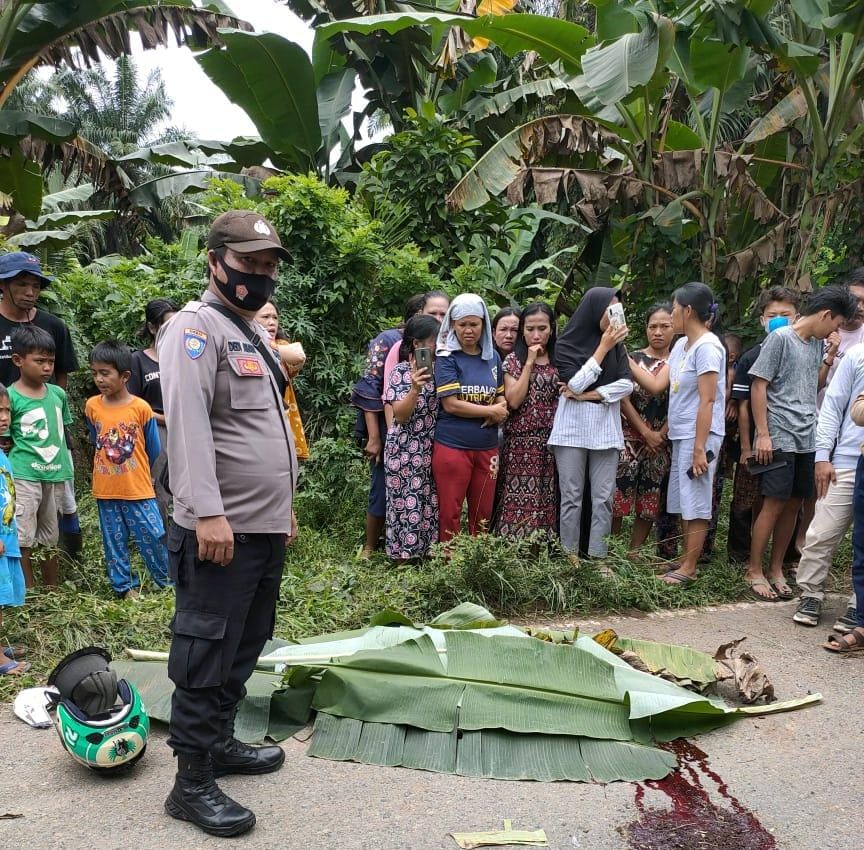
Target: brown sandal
[{"x": 846, "y": 644}]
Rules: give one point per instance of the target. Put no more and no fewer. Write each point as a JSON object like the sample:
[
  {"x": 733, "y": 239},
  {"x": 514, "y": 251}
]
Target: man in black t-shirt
[{"x": 21, "y": 283}]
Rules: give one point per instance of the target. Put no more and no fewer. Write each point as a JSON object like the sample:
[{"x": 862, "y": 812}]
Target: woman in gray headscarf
[{"x": 470, "y": 388}]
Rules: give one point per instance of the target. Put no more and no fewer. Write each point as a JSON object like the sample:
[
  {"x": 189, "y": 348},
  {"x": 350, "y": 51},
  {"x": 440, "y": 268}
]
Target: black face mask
[{"x": 246, "y": 291}]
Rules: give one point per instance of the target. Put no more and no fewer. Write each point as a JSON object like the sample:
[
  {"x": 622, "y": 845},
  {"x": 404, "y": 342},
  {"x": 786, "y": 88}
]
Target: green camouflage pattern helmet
[{"x": 100, "y": 719}]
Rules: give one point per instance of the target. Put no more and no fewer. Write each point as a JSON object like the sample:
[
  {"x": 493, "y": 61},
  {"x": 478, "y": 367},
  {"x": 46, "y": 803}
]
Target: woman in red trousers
[{"x": 470, "y": 388}]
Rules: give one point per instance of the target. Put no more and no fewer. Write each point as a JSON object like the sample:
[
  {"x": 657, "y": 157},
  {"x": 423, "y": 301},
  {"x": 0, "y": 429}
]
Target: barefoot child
[
  {"x": 11, "y": 575},
  {"x": 123, "y": 430}
]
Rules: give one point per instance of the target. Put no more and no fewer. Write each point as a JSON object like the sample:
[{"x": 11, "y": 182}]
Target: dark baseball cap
[
  {"x": 244, "y": 231},
  {"x": 20, "y": 262}
]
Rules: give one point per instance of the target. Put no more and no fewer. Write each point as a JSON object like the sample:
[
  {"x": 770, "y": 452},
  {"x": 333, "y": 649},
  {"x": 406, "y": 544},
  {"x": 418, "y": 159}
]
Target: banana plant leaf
[
  {"x": 509, "y": 708},
  {"x": 490, "y": 702},
  {"x": 268, "y": 711},
  {"x": 376, "y": 637},
  {"x": 554, "y": 39},
  {"x": 488, "y": 753},
  {"x": 681, "y": 661}
]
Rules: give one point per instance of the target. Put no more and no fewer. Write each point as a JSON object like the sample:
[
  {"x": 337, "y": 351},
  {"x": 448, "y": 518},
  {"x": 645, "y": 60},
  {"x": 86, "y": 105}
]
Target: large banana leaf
[
  {"x": 488, "y": 753},
  {"x": 150, "y": 193},
  {"x": 524, "y": 686},
  {"x": 509, "y": 708},
  {"x": 715, "y": 64},
  {"x": 612, "y": 71},
  {"x": 15, "y": 124},
  {"x": 490, "y": 702},
  {"x": 272, "y": 80},
  {"x": 241, "y": 152},
  {"x": 553, "y": 39},
  {"x": 22, "y": 179},
  {"x": 527, "y": 145},
  {"x": 52, "y": 33},
  {"x": 334, "y": 103},
  {"x": 782, "y": 115}
]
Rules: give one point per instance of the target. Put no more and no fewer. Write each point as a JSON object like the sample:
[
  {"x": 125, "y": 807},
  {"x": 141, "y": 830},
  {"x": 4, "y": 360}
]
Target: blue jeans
[{"x": 858, "y": 539}]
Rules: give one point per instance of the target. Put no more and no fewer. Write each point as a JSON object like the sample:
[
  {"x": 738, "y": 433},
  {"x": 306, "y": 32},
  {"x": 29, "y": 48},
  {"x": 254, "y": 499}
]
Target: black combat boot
[
  {"x": 232, "y": 756},
  {"x": 197, "y": 798}
]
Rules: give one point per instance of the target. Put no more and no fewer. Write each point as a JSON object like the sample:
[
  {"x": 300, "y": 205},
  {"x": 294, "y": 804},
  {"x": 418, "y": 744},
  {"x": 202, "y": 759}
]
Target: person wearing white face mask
[{"x": 776, "y": 307}]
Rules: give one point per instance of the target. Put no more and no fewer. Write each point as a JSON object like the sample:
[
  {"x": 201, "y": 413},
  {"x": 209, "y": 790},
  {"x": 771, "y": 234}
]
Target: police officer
[{"x": 232, "y": 468}]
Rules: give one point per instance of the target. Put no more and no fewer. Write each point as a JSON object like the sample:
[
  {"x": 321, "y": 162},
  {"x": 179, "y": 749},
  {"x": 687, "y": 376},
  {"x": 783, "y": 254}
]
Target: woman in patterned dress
[
  {"x": 528, "y": 500},
  {"x": 411, "y": 408},
  {"x": 645, "y": 458}
]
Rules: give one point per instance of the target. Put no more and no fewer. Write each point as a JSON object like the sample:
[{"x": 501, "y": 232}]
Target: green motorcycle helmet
[{"x": 101, "y": 721}]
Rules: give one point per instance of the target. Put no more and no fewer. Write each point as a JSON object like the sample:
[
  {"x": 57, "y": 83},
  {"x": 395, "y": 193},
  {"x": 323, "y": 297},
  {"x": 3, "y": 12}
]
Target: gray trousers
[{"x": 601, "y": 466}]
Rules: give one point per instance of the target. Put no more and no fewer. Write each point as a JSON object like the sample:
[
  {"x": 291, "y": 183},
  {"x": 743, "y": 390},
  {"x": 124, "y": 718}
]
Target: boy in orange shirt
[{"x": 124, "y": 433}]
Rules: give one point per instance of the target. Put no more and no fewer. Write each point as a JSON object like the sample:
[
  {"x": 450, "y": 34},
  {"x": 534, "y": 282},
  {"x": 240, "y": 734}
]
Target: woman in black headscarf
[{"x": 586, "y": 435}]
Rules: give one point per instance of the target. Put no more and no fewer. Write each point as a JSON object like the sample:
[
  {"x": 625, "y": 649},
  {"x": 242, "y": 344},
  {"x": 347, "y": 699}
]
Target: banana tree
[
  {"x": 34, "y": 34},
  {"x": 653, "y": 168},
  {"x": 60, "y": 222},
  {"x": 820, "y": 44}
]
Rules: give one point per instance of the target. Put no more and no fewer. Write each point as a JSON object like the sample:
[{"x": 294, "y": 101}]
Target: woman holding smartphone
[
  {"x": 586, "y": 434},
  {"x": 528, "y": 497},
  {"x": 696, "y": 378},
  {"x": 470, "y": 388},
  {"x": 411, "y": 410}
]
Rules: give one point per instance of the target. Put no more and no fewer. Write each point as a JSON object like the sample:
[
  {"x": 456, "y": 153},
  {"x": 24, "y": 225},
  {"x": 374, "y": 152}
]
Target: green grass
[{"x": 325, "y": 588}]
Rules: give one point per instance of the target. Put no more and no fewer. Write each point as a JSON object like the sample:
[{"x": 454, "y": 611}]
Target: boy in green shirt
[{"x": 39, "y": 457}]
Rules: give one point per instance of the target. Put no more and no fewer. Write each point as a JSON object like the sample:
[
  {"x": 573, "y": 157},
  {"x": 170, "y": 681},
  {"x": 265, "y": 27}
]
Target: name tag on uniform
[{"x": 247, "y": 366}]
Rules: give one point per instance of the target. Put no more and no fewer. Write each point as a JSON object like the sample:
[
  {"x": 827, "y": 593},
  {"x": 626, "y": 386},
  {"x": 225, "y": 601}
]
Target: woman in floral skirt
[
  {"x": 528, "y": 497},
  {"x": 411, "y": 408}
]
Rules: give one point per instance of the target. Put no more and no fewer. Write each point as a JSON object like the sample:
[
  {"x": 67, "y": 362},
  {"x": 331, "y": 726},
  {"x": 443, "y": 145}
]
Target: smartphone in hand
[
  {"x": 616, "y": 315},
  {"x": 709, "y": 456},
  {"x": 423, "y": 358}
]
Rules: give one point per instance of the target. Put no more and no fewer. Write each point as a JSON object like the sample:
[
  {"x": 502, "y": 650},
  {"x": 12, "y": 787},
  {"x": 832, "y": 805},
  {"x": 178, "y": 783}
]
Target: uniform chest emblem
[
  {"x": 249, "y": 366},
  {"x": 194, "y": 341}
]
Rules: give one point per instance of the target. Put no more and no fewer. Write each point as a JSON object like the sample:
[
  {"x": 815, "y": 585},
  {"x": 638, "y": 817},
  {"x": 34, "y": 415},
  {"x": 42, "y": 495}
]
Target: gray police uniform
[{"x": 231, "y": 452}]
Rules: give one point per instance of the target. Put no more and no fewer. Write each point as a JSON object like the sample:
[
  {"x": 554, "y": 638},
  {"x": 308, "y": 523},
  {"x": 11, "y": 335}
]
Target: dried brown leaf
[{"x": 744, "y": 671}]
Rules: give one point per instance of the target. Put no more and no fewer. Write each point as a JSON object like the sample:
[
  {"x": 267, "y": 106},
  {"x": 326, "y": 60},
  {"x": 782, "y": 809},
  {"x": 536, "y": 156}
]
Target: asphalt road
[{"x": 781, "y": 768}]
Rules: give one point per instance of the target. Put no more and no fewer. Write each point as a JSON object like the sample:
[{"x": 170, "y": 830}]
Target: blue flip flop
[
  {"x": 16, "y": 652},
  {"x": 11, "y": 668}
]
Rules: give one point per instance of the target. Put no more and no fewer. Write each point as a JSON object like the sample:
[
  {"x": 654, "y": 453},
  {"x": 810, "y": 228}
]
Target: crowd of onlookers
[
  {"x": 524, "y": 429},
  {"x": 528, "y": 430},
  {"x": 126, "y": 425}
]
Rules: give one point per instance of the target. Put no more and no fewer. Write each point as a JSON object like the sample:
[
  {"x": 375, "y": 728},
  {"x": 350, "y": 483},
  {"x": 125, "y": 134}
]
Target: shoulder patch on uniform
[{"x": 194, "y": 341}]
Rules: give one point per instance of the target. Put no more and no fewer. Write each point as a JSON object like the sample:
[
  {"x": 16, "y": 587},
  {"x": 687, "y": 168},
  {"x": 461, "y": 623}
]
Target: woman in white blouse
[{"x": 586, "y": 435}]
